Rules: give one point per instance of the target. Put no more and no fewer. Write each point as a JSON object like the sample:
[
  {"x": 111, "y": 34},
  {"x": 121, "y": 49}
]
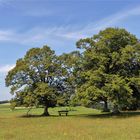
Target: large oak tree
[
  {"x": 36, "y": 79},
  {"x": 111, "y": 68}
]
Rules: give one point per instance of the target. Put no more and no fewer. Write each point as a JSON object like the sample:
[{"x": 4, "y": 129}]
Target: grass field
[{"x": 81, "y": 124}]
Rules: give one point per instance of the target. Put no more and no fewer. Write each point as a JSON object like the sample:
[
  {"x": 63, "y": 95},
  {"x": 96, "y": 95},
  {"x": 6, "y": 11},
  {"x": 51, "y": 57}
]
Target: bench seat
[{"x": 63, "y": 112}]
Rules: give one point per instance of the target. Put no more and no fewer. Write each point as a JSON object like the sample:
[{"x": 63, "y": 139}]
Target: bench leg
[{"x": 66, "y": 114}]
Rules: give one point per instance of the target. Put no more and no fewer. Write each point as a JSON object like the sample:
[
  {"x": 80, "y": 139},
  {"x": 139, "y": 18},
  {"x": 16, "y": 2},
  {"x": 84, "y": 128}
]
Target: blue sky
[{"x": 58, "y": 23}]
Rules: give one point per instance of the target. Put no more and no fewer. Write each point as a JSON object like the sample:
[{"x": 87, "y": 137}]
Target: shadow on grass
[
  {"x": 100, "y": 116},
  {"x": 36, "y": 116},
  {"x": 111, "y": 115}
]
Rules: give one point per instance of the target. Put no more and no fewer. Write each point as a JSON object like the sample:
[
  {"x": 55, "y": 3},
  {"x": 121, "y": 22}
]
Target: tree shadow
[
  {"x": 126, "y": 114},
  {"x": 111, "y": 115},
  {"x": 29, "y": 116},
  {"x": 36, "y": 116}
]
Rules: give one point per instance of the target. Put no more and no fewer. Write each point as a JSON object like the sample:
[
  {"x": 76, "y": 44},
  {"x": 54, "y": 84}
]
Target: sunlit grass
[{"x": 81, "y": 124}]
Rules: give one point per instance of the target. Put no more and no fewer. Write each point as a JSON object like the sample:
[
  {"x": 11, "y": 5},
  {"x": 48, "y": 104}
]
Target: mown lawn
[{"x": 81, "y": 124}]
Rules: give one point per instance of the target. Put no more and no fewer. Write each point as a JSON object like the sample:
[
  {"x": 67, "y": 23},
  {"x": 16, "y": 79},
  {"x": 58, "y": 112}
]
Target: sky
[{"x": 25, "y": 24}]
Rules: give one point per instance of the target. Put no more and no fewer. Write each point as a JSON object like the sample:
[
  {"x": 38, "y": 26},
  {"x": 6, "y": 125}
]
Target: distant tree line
[
  {"x": 3, "y": 102},
  {"x": 105, "y": 70}
]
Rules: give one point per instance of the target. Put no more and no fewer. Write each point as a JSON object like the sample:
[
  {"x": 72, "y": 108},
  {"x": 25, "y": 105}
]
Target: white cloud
[
  {"x": 6, "y": 68},
  {"x": 106, "y": 22},
  {"x": 6, "y": 35},
  {"x": 69, "y": 32}
]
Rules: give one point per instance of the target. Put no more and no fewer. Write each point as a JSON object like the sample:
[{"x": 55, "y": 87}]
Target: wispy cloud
[
  {"x": 6, "y": 68},
  {"x": 5, "y": 2},
  {"x": 6, "y": 35},
  {"x": 35, "y": 35},
  {"x": 69, "y": 32},
  {"x": 111, "y": 20},
  {"x": 38, "y": 13}
]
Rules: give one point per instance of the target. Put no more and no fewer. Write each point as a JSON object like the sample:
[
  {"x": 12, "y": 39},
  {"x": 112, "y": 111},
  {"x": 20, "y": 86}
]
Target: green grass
[{"x": 81, "y": 124}]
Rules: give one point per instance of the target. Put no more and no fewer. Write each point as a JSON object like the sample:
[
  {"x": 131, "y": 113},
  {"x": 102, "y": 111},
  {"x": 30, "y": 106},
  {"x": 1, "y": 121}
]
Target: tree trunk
[
  {"x": 29, "y": 111},
  {"x": 46, "y": 113},
  {"x": 106, "y": 109},
  {"x": 116, "y": 110}
]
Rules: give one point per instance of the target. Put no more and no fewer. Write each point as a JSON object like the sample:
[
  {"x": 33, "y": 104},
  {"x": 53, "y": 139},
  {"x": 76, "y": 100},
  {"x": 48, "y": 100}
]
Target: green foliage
[
  {"x": 106, "y": 70},
  {"x": 71, "y": 64},
  {"x": 36, "y": 78},
  {"x": 110, "y": 60}
]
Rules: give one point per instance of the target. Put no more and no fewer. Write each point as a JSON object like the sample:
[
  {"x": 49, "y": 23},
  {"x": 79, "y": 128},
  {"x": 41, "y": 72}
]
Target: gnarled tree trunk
[
  {"x": 116, "y": 110},
  {"x": 106, "y": 109},
  {"x": 46, "y": 113}
]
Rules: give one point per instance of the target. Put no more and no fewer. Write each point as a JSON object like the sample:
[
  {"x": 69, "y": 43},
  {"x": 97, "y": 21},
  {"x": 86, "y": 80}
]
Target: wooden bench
[{"x": 63, "y": 112}]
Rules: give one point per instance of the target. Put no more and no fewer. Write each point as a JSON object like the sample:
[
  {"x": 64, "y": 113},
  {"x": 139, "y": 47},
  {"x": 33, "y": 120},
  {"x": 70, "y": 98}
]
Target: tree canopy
[
  {"x": 111, "y": 68},
  {"x": 71, "y": 62},
  {"x": 107, "y": 69},
  {"x": 36, "y": 79}
]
